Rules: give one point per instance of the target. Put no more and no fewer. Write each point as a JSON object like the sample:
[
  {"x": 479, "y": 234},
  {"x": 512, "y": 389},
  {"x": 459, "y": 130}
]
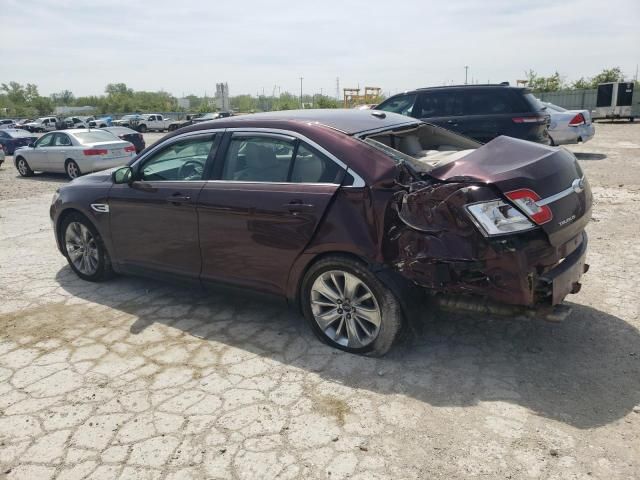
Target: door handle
[
  {"x": 296, "y": 207},
  {"x": 178, "y": 198}
]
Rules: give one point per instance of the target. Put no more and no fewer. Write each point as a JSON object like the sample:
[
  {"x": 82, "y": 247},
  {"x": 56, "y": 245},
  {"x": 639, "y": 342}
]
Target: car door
[
  {"x": 441, "y": 107},
  {"x": 153, "y": 219},
  {"x": 262, "y": 208},
  {"x": 58, "y": 152},
  {"x": 37, "y": 156}
]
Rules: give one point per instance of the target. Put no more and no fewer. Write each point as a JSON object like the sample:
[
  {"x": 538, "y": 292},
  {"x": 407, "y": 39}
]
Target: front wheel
[
  {"x": 142, "y": 128},
  {"x": 85, "y": 249},
  {"x": 23, "y": 167},
  {"x": 73, "y": 170},
  {"x": 349, "y": 308}
]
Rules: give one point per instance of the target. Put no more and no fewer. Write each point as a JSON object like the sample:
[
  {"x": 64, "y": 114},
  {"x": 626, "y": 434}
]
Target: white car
[
  {"x": 42, "y": 124},
  {"x": 569, "y": 126},
  {"x": 74, "y": 151},
  {"x": 1, "y": 155},
  {"x": 152, "y": 121}
]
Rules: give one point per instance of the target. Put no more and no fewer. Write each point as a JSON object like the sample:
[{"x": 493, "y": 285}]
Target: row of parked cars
[{"x": 484, "y": 112}]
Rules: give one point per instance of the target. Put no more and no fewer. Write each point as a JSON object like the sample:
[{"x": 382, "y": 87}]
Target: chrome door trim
[{"x": 560, "y": 195}]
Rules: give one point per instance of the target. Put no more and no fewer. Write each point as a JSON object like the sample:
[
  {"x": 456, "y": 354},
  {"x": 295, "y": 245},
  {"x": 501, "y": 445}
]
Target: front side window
[
  {"x": 45, "y": 141},
  {"x": 182, "y": 160},
  {"x": 258, "y": 159},
  {"x": 402, "y": 104}
]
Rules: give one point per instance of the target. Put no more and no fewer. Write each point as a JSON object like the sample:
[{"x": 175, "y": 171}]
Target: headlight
[{"x": 496, "y": 217}]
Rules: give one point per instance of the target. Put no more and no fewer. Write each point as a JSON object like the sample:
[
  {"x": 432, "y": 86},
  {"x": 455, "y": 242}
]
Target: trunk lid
[{"x": 511, "y": 164}]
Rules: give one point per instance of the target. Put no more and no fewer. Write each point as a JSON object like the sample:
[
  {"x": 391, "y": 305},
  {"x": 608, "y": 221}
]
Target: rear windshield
[
  {"x": 555, "y": 108},
  {"x": 95, "y": 136},
  {"x": 120, "y": 130},
  {"x": 18, "y": 133}
]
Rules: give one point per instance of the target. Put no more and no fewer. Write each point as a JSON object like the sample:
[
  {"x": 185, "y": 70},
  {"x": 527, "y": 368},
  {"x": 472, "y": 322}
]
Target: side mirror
[
  {"x": 122, "y": 175},
  {"x": 32, "y": 145}
]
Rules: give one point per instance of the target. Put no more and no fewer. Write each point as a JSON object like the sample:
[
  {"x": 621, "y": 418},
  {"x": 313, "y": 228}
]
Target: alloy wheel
[
  {"x": 82, "y": 248},
  {"x": 22, "y": 167},
  {"x": 345, "y": 309},
  {"x": 72, "y": 170}
]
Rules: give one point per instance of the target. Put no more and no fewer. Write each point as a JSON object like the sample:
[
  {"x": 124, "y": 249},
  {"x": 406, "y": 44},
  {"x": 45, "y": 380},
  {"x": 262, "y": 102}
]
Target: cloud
[{"x": 187, "y": 46}]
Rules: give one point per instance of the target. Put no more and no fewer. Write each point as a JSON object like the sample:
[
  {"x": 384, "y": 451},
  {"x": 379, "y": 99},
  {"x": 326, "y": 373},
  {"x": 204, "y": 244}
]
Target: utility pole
[
  {"x": 301, "y": 91},
  {"x": 466, "y": 72}
]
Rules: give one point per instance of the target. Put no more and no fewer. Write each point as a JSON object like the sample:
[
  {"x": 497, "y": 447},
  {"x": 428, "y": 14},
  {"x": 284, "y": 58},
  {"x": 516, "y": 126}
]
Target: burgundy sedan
[{"x": 351, "y": 215}]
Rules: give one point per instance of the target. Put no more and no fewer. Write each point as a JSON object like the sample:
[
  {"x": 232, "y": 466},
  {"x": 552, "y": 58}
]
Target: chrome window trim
[
  {"x": 358, "y": 181},
  {"x": 253, "y": 182},
  {"x": 557, "y": 196}
]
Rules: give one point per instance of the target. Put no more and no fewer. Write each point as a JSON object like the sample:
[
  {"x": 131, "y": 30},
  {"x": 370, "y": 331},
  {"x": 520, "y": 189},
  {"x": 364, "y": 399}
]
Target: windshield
[{"x": 95, "y": 136}]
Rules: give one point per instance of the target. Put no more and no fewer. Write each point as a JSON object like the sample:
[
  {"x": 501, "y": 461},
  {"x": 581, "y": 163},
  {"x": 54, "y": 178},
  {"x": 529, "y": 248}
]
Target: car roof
[
  {"x": 479, "y": 86},
  {"x": 348, "y": 121}
]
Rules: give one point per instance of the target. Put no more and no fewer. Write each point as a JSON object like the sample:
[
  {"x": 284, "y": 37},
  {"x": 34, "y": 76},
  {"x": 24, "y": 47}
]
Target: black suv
[{"x": 481, "y": 112}]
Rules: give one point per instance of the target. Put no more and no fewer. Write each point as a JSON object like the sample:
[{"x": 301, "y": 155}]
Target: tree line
[
  {"x": 17, "y": 100},
  {"x": 556, "y": 82}
]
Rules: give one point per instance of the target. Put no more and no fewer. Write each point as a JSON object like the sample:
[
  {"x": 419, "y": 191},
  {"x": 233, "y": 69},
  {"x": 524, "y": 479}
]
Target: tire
[
  {"x": 551, "y": 142},
  {"x": 23, "y": 167},
  {"x": 72, "y": 169},
  {"x": 142, "y": 128},
  {"x": 347, "y": 329},
  {"x": 96, "y": 266}
]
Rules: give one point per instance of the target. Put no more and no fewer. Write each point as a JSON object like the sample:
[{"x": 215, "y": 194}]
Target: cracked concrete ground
[{"x": 135, "y": 379}]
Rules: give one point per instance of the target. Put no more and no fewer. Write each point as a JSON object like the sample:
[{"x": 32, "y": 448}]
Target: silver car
[
  {"x": 74, "y": 151},
  {"x": 569, "y": 126}
]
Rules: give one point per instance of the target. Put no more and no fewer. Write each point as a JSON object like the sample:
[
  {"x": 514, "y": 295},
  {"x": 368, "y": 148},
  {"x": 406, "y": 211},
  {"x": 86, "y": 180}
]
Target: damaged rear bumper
[{"x": 536, "y": 276}]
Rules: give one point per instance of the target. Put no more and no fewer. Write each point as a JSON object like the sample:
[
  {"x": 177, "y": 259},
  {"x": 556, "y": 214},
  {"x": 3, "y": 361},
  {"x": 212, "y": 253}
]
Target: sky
[{"x": 187, "y": 46}]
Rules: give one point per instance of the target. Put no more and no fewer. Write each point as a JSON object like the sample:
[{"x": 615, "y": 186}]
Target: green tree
[
  {"x": 539, "y": 83},
  {"x": 65, "y": 97}
]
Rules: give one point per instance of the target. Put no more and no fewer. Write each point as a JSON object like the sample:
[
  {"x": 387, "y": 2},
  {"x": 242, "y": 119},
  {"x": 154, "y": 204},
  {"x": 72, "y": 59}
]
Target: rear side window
[
  {"x": 311, "y": 166},
  {"x": 490, "y": 102},
  {"x": 402, "y": 104},
  {"x": 440, "y": 104},
  {"x": 258, "y": 159}
]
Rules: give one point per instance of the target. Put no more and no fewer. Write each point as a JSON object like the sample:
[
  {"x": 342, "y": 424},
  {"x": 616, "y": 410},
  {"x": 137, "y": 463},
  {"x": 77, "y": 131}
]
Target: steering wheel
[{"x": 191, "y": 170}]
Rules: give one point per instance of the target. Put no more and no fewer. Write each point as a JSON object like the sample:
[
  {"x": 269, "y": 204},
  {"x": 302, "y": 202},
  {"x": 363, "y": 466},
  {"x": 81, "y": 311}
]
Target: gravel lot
[{"x": 136, "y": 379}]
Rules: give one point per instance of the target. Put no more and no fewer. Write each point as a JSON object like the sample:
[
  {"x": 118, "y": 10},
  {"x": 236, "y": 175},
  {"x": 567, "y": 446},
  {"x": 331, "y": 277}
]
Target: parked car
[
  {"x": 75, "y": 152},
  {"x": 2, "y": 155},
  {"x": 176, "y": 124},
  {"x": 149, "y": 122},
  {"x": 482, "y": 112},
  {"x": 351, "y": 215},
  {"x": 7, "y": 123},
  {"x": 128, "y": 135},
  {"x": 43, "y": 124},
  {"x": 569, "y": 126},
  {"x": 126, "y": 120},
  {"x": 80, "y": 122},
  {"x": 11, "y": 138},
  {"x": 22, "y": 122}
]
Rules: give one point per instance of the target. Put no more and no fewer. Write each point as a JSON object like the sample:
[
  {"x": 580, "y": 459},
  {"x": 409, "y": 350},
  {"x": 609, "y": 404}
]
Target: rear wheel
[
  {"x": 72, "y": 169},
  {"x": 23, "y": 167},
  {"x": 85, "y": 249},
  {"x": 349, "y": 308}
]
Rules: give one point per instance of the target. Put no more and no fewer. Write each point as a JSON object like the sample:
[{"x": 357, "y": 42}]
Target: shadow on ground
[
  {"x": 584, "y": 372},
  {"x": 590, "y": 156}
]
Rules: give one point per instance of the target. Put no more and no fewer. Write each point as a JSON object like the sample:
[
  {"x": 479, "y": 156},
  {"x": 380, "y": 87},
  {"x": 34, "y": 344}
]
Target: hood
[
  {"x": 96, "y": 178},
  {"x": 511, "y": 164}
]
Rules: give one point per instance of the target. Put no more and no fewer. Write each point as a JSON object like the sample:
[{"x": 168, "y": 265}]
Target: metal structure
[
  {"x": 352, "y": 96},
  {"x": 222, "y": 96}
]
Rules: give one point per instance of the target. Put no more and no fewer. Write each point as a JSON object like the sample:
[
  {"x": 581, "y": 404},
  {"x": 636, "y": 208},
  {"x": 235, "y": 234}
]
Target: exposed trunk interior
[{"x": 426, "y": 146}]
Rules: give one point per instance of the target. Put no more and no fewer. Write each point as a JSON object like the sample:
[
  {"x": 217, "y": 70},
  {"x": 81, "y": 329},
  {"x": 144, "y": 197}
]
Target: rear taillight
[
  {"x": 95, "y": 151},
  {"x": 529, "y": 119},
  {"x": 577, "y": 120},
  {"x": 526, "y": 199},
  {"x": 130, "y": 148}
]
